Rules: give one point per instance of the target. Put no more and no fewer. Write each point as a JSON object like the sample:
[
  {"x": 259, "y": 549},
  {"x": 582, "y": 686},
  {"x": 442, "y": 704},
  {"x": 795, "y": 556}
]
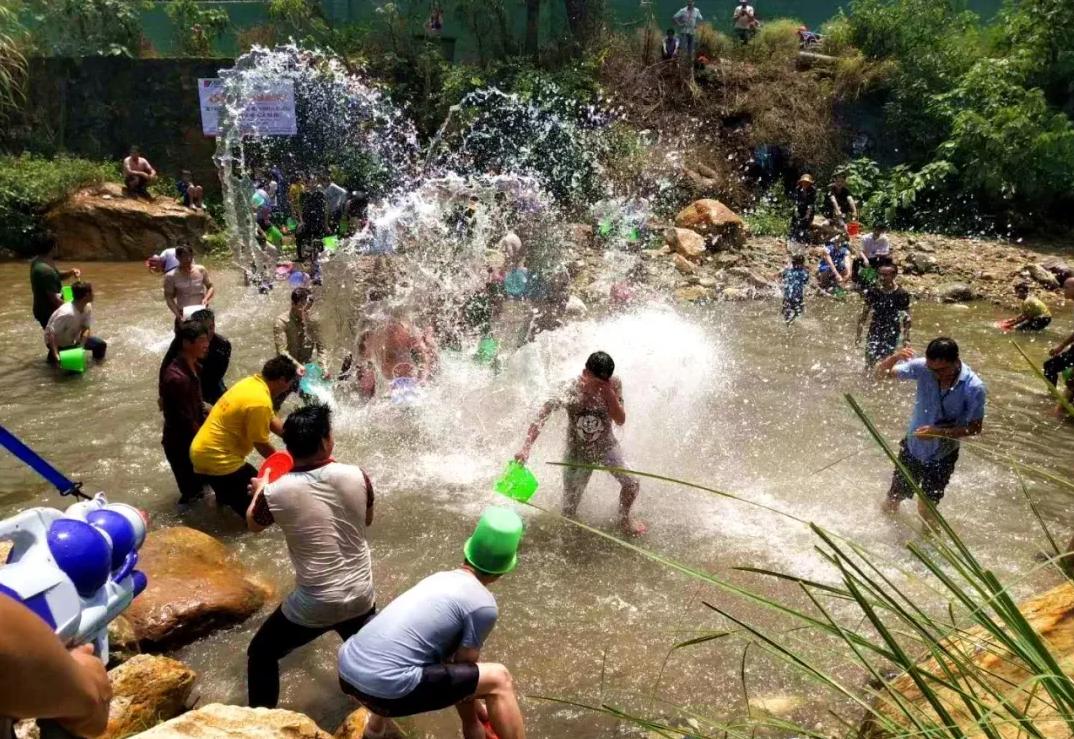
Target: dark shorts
[
  {"x": 232, "y": 490},
  {"x": 881, "y": 343},
  {"x": 1035, "y": 324},
  {"x": 793, "y": 309},
  {"x": 931, "y": 476},
  {"x": 441, "y": 686}
]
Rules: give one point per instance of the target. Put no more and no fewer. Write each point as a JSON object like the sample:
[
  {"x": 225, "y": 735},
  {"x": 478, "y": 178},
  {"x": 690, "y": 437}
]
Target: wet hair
[
  {"x": 81, "y": 290},
  {"x": 306, "y": 428},
  {"x": 601, "y": 365},
  {"x": 279, "y": 368},
  {"x": 183, "y": 250},
  {"x": 135, "y": 149},
  {"x": 671, "y": 32},
  {"x": 205, "y": 315},
  {"x": 942, "y": 349},
  {"x": 888, "y": 264},
  {"x": 798, "y": 260},
  {"x": 301, "y": 295},
  {"x": 44, "y": 246},
  {"x": 480, "y": 571},
  {"x": 1020, "y": 286},
  {"x": 191, "y": 330}
]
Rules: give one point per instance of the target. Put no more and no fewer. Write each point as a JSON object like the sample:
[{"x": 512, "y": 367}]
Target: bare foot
[{"x": 632, "y": 527}]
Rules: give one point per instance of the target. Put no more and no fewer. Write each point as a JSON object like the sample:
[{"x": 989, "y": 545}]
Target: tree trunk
[
  {"x": 579, "y": 19},
  {"x": 533, "y": 19}
]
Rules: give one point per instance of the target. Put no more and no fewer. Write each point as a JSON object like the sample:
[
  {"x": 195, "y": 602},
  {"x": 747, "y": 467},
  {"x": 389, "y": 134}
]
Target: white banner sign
[{"x": 271, "y": 111}]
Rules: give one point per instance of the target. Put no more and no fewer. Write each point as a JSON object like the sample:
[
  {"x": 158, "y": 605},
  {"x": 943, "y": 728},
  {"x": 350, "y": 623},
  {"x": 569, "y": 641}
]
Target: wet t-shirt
[
  {"x": 886, "y": 308},
  {"x": 589, "y": 427}
]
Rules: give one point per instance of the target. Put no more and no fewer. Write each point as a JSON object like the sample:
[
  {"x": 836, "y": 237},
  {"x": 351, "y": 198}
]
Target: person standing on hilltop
[
  {"x": 137, "y": 174},
  {"x": 593, "y": 401},
  {"x": 46, "y": 281},
  {"x": 950, "y": 405},
  {"x": 686, "y": 21}
]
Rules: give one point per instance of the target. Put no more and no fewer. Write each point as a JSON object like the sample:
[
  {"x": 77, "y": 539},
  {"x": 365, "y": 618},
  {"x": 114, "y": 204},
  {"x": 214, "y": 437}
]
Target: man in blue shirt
[{"x": 950, "y": 404}]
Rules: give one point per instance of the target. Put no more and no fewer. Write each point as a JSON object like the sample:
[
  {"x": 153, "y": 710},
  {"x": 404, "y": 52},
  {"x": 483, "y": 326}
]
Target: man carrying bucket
[
  {"x": 46, "y": 282},
  {"x": 593, "y": 402},
  {"x": 239, "y": 423},
  {"x": 323, "y": 508},
  {"x": 188, "y": 285},
  {"x": 296, "y": 333},
  {"x": 69, "y": 326},
  {"x": 422, "y": 653}
]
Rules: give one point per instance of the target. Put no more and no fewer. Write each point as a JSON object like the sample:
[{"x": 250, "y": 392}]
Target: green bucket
[
  {"x": 330, "y": 243},
  {"x": 68, "y": 293},
  {"x": 292, "y": 224},
  {"x": 487, "y": 349},
  {"x": 73, "y": 359},
  {"x": 493, "y": 548},
  {"x": 275, "y": 236},
  {"x": 517, "y": 483}
]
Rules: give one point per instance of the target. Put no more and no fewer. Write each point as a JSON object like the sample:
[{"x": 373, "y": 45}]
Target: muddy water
[{"x": 726, "y": 396}]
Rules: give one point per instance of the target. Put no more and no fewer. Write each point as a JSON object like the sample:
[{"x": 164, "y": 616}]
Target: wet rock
[
  {"x": 727, "y": 259},
  {"x": 217, "y": 720},
  {"x": 776, "y": 705},
  {"x": 715, "y": 220},
  {"x": 122, "y": 641},
  {"x": 146, "y": 690},
  {"x": 1041, "y": 276},
  {"x": 684, "y": 265},
  {"x": 746, "y": 275},
  {"x": 988, "y": 276},
  {"x": 693, "y": 294},
  {"x": 353, "y": 727},
  {"x": 1051, "y": 615},
  {"x": 736, "y": 294},
  {"x": 919, "y": 263},
  {"x": 686, "y": 242},
  {"x": 708, "y": 282},
  {"x": 102, "y": 223},
  {"x": 955, "y": 292},
  {"x": 575, "y": 307},
  {"x": 700, "y": 182},
  {"x": 196, "y": 585}
]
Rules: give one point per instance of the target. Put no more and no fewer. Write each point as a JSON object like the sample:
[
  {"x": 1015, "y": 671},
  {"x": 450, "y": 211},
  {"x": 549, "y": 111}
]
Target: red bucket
[{"x": 853, "y": 228}]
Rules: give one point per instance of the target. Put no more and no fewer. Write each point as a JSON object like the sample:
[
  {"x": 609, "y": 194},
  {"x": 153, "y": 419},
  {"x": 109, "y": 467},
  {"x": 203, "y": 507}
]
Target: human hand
[
  {"x": 905, "y": 353},
  {"x": 1055, "y": 350},
  {"x": 523, "y": 456},
  {"x": 76, "y": 272},
  {"x": 100, "y": 690},
  {"x": 257, "y": 484},
  {"x": 301, "y": 371},
  {"x": 924, "y": 432}
]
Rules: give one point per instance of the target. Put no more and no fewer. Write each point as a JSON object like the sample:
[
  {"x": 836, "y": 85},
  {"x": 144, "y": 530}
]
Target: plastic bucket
[
  {"x": 330, "y": 243},
  {"x": 487, "y": 349},
  {"x": 853, "y": 228},
  {"x": 276, "y": 466},
  {"x": 275, "y": 236},
  {"x": 73, "y": 359},
  {"x": 292, "y": 224},
  {"x": 516, "y": 282},
  {"x": 68, "y": 293},
  {"x": 517, "y": 483}
]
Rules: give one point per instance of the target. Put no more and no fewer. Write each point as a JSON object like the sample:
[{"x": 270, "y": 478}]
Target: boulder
[
  {"x": 693, "y": 294},
  {"x": 715, "y": 220},
  {"x": 217, "y": 720},
  {"x": 146, "y": 690},
  {"x": 580, "y": 234},
  {"x": 919, "y": 263},
  {"x": 122, "y": 641},
  {"x": 353, "y": 727},
  {"x": 103, "y": 223},
  {"x": 686, "y": 242},
  {"x": 736, "y": 293},
  {"x": 744, "y": 274},
  {"x": 1051, "y": 615},
  {"x": 955, "y": 292},
  {"x": 700, "y": 182},
  {"x": 196, "y": 585},
  {"x": 1041, "y": 276},
  {"x": 684, "y": 265}
]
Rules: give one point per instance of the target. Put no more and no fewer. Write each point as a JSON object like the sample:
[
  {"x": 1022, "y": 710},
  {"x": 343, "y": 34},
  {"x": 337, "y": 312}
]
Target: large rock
[
  {"x": 1041, "y": 275},
  {"x": 713, "y": 219},
  {"x": 122, "y": 641},
  {"x": 686, "y": 242},
  {"x": 955, "y": 292},
  {"x": 216, "y": 720},
  {"x": 196, "y": 585},
  {"x": 146, "y": 690},
  {"x": 684, "y": 265},
  {"x": 693, "y": 294},
  {"x": 103, "y": 223},
  {"x": 1052, "y": 616}
]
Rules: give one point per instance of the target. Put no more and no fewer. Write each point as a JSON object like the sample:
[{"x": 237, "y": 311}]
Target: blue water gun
[{"x": 75, "y": 568}]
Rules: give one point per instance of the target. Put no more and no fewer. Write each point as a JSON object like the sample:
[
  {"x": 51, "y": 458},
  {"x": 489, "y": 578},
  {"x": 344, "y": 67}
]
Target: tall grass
[{"x": 973, "y": 667}]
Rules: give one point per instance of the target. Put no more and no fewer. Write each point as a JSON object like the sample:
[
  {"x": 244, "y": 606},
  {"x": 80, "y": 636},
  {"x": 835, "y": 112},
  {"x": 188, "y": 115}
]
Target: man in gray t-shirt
[
  {"x": 422, "y": 652},
  {"x": 593, "y": 403},
  {"x": 323, "y": 508}
]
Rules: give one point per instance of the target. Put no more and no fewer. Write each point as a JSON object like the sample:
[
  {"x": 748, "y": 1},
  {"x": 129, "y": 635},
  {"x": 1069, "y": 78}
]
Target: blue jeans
[{"x": 686, "y": 44}]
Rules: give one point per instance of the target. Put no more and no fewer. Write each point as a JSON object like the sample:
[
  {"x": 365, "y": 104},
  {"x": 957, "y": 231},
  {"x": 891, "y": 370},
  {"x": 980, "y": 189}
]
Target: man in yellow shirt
[
  {"x": 237, "y": 424},
  {"x": 1035, "y": 315}
]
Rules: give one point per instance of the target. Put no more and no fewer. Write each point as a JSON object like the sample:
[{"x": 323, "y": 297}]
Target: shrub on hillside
[
  {"x": 776, "y": 41},
  {"x": 29, "y": 186},
  {"x": 712, "y": 43}
]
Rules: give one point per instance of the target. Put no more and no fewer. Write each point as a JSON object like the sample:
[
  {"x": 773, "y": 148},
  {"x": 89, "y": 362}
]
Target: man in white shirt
[
  {"x": 323, "y": 508},
  {"x": 335, "y": 198},
  {"x": 745, "y": 21},
  {"x": 686, "y": 21},
  {"x": 875, "y": 251},
  {"x": 69, "y": 326}
]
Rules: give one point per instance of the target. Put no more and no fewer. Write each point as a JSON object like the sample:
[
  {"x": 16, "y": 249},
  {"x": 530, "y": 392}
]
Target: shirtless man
[
  {"x": 137, "y": 174},
  {"x": 592, "y": 401},
  {"x": 397, "y": 350}
]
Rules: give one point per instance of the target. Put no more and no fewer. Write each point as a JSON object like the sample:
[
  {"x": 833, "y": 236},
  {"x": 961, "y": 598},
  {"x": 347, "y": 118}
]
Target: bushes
[
  {"x": 196, "y": 27},
  {"x": 30, "y": 185},
  {"x": 712, "y": 43},
  {"x": 776, "y": 42}
]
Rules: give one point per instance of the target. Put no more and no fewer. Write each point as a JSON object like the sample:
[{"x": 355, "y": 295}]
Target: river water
[{"x": 726, "y": 396}]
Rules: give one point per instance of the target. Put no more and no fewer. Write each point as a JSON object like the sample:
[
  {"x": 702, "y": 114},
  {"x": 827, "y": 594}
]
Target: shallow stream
[{"x": 726, "y": 396}]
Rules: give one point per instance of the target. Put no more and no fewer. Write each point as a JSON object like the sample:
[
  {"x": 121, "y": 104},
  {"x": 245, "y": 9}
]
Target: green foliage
[
  {"x": 196, "y": 27},
  {"x": 710, "y": 42},
  {"x": 30, "y": 185},
  {"x": 776, "y": 42},
  {"x": 301, "y": 20},
  {"x": 12, "y": 61},
  {"x": 86, "y": 27},
  {"x": 771, "y": 215},
  {"x": 902, "y": 197}
]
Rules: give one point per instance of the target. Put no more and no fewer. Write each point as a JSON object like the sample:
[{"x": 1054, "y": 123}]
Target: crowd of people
[{"x": 423, "y": 652}]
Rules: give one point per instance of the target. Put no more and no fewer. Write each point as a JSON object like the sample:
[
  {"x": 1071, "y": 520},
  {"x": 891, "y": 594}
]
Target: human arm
[
  {"x": 834, "y": 202},
  {"x": 53, "y": 348},
  {"x": 69, "y": 273},
  {"x": 1060, "y": 348},
  {"x": 279, "y": 338},
  {"x": 844, "y": 272},
  {"x": 906, "y": 323},
  {"x": 612, "y": 390},
  {"x": 886, "y": 368},
  {"x": 535, "y": 428},
  {"x": 972, "y": 428},
  {"x": 369, "y": 499},
  {"x": 866, "y": 309},
  {"x": 276, "y": 426},
  {"x": 853, "y": 208},
  {"x": 170, "y": 295},
  {"x": 53, "y": 683},
  {"x": 210, "y": 291},
  {"x": 258, "y": 515}
]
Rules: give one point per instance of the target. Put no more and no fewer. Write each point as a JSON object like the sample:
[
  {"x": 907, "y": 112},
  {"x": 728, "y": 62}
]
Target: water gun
[{"x": 76, "y": 568}]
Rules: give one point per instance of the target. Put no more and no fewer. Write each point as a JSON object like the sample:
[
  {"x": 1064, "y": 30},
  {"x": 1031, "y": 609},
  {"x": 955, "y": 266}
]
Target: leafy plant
[
  {"x": 771, "y": 215},
  {"x": 196, "y": 27},
  {"x": 86, "y": 27},
  {"x": 12, "y": 61},
  {"x": 29, "y": 186}
]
